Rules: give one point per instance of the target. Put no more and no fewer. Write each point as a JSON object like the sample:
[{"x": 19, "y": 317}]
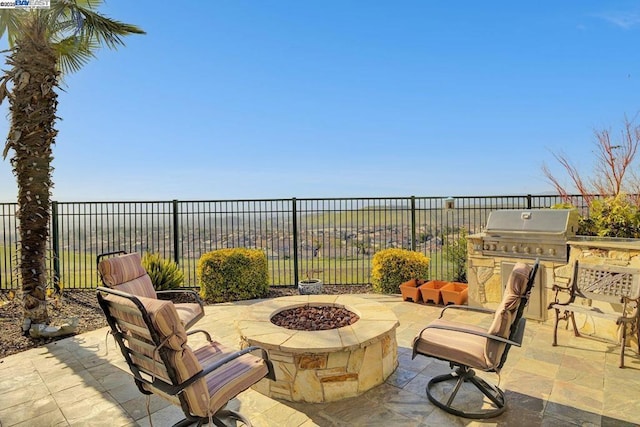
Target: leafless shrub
[{"x": 612, "y": 175}]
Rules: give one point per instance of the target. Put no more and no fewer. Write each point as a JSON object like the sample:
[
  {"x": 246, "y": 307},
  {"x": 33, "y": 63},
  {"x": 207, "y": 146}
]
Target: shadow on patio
[{"x": 83, "y": 380}]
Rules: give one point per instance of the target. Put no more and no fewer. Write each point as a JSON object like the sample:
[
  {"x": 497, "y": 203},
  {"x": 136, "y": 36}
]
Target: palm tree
[{"x": 44, "y": 44}]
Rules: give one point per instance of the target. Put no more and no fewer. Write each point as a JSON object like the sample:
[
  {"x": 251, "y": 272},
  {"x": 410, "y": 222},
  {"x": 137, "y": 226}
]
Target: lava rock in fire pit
[{"x": 315, "y": 318}]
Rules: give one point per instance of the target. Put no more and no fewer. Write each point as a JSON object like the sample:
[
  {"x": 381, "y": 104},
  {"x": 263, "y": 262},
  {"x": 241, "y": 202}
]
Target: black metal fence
[{"x": 333, "y": 239}]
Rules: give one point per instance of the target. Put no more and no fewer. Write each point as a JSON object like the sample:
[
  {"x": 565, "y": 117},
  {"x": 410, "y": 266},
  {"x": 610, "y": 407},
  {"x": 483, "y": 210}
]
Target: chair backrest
[
  {"x": 126, "y": 273},
  {"x": 153, "y": 341},
  {"x": 605, "y": 282},
  {"x": 508, "y": 321}
]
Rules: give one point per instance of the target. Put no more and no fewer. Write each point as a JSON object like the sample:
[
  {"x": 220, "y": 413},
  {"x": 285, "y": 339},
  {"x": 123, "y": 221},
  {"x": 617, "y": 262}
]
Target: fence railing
[{"x": 333, "y": 239}]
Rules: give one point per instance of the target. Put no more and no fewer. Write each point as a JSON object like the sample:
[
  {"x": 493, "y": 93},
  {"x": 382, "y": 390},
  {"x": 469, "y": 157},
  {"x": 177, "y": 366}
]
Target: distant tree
[
  {"x": 612, "y": 174},
  {"x": 363, "y": 246},
  {"x": 316, "y": 245},
  {"x": 43, "y": 45},
  {"x": 424, "y": 237}
]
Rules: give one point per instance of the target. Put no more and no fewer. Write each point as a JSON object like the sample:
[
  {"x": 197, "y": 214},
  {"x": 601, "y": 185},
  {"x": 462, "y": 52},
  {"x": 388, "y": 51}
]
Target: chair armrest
[
  {"x": 467, "y": 308},
  {"x": 557, "y": 287},
  {"x": 210, "y": 368},
  {"x": 472, "y": 332},
  {"x": 193, "y": 294},
  {"x": 630, "y": 310},
  {"x": 194, "y": 331},
  {"x": 627, "y": 299},
  {"x": 561, "y": 289}
]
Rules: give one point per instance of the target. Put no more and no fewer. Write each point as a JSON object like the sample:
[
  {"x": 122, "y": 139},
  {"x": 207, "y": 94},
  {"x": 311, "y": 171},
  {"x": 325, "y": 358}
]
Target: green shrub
[
  {"x": 391, "y": 267},
  {"x": 613, "y": 217},
  {"x": 164, "y": 273},
  {"x": 233, "y": 274}
]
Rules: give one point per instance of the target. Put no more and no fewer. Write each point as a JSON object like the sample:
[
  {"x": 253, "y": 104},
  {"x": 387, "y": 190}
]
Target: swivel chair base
[{"x": 461, "y": 375}]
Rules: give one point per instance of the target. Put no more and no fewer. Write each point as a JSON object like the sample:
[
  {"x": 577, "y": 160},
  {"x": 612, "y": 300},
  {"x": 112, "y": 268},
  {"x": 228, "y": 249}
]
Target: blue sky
[{"x": 276, "y": 99}]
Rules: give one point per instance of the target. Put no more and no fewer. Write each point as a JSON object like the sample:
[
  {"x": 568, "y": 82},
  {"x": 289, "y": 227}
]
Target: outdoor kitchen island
[
  {"x": 512, "y": 236},
  {"x": 326, "y": 365}
]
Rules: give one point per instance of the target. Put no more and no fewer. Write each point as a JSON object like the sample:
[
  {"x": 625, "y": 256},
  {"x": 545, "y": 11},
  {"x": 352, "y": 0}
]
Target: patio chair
[
  {"x": 155, "y": 346},
  {"x": 124, "y": 272},
  {"x": 468, "y": 347}
]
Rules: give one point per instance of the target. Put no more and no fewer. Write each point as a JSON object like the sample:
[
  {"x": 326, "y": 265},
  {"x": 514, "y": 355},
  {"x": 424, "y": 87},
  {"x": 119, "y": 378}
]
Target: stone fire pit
[{"x": 323, "y": 366}]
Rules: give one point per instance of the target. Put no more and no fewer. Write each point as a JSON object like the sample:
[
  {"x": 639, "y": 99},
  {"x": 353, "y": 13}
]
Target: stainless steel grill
[{"x": 534, "y": 233}]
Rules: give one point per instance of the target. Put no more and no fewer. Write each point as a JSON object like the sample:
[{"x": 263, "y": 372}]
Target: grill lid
[{"x": 559, "y": 222}]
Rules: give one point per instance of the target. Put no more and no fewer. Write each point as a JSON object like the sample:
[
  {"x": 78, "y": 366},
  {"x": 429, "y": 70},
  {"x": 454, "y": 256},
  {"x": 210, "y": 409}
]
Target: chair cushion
[
  {"x": 210, "y": 394},
  {"x": 186, "y": 365},
  {"x": 121, "y": 268},
  {"x": 232, "y": 378},
  {"x": 141, "y": 286},
  {"x": 463, "y": 348},
  {"x": 163, "y": 316},
  {"x": 516, "y": 286},
  {"x": 188, "y": 311},
  {"x": 126, "y": 273},
  {"x": 506, "y": 311}
]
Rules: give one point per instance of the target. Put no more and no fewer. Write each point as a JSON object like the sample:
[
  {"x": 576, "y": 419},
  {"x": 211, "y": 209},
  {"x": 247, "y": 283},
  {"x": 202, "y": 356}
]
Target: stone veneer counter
[{"x": 323, "y": 366}]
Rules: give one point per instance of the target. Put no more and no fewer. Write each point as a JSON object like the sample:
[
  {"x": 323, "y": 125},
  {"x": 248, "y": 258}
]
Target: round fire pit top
[
  {"x": 375, "y": 321},
  {"x": 314, "y": 318}
]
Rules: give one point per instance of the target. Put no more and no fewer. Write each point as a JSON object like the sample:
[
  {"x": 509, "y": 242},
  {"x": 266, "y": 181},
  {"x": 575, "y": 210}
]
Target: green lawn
[{"x": 78, "y": 270}]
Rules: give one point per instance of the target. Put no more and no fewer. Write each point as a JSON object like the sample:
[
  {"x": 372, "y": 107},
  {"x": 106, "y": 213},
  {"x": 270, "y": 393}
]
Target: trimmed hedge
[
  {"x": 391, "y": 267},
  {"x": 233, "y": 275}
]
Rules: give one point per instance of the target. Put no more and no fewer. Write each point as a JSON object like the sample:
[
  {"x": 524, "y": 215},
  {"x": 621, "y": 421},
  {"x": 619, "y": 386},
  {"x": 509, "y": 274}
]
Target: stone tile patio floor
[{"x": 83, "y": 380}]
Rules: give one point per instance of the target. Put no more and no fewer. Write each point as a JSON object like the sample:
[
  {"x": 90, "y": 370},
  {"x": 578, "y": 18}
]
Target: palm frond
[
  {"x": 73, "y": 27},
  {"x": 77, "y": 31},
  {"x": 81, "y": 18},
  {"x": 106, "y": 30},
  {"x": 74, "y": 53},
  {"x": 10, "y": 22}
]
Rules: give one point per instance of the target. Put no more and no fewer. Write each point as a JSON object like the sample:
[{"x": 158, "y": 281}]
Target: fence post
[
  {"x": 176, "y": 254},
  {"x": 529, "y": 201},
  {"x": 294, "y": 210},
  {"x": 55, "y": 240},
  {"x": 413, "y": 223}
]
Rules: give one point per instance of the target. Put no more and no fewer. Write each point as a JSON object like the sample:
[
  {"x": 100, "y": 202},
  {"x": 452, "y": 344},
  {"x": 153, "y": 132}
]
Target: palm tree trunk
[{"x": 33, "y": 107}]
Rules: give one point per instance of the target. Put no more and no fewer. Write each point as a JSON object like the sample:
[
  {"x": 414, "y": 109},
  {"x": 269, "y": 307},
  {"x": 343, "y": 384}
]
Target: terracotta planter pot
[
  {"x": 431, "y": 291},
  {"x": 410, "y": 290},
  {"x": 454, "y": 293}
]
